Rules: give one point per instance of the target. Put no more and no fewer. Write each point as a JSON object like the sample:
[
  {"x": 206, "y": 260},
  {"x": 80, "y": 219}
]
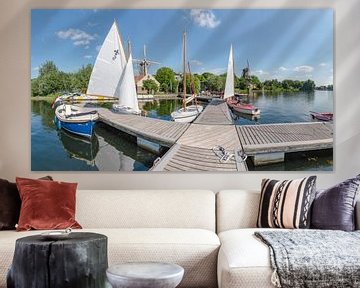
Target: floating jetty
[{"x": 191, "y": 144}]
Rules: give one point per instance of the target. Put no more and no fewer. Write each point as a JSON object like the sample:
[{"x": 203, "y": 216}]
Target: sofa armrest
[{"x": 357, "y": 215}]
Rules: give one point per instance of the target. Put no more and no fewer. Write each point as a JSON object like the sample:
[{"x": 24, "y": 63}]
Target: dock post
[
  {"x": 268, "y": 158},
  {"x": 148, "y": 145}
]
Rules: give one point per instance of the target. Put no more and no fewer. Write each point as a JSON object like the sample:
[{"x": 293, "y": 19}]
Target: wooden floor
[
  {"x": 215, "y": 113},
  {"x": 187, "y": 158},
  {"x": 287, "y": 137},
  {"x": 163, "y": 132}
]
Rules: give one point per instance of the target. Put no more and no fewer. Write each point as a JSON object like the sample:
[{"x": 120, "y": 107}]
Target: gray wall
[{"x": 15, "y": 100}]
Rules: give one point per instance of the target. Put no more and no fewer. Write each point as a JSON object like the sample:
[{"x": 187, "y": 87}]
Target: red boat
[
  {"x": 322, "y": 116},
  {"x": 243, "y": 107}
]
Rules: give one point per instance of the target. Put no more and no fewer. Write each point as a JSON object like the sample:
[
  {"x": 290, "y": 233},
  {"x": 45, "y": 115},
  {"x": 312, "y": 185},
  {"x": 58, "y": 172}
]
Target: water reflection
[
  {"x": 111, "y": 150},
  {"x": 80, "y": 148}
]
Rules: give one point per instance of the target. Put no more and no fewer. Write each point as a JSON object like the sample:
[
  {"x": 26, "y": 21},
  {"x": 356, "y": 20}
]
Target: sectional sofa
[{"x": 210, "y": 235}]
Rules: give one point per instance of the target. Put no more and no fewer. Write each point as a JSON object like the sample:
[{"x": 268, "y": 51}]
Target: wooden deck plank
[
  {"x": 286, "y": 137},
  {"x": 187, "y": 158},
  {"x": 208, "y": 136},
  {"x": 215, "y": 113},
  {"x": 160, "y": 131}
]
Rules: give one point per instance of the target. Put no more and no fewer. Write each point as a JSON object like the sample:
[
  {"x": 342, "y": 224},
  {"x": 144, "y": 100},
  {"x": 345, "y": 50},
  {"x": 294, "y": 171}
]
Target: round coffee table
[{"x": 145, "y": 275}]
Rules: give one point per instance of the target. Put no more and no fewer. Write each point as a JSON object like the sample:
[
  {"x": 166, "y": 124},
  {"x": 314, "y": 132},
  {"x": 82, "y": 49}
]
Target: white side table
[{"x": 145, "y": 275}]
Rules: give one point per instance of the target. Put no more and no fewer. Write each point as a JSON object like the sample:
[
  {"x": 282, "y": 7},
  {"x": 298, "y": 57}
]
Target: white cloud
[
  {"x": 36, "y": 68},
  {"x": 92, "y": 24},
  {"x": 282, "y": 68},
  {"x": 204, "y": 18},
  {"x": 323, "y": 64},
  {"x": 98, "y": 47},
  {"x": 88, "y": 56},
  {"x": 261, "y": 72},
  {"x": 217, "y": 71},
  {"x": 196, "y": 62},
  {"x": 304, "y": 69},
  {"x": 79, "y": 37}
]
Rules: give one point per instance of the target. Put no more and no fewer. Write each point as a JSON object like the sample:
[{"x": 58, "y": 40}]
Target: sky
[{"x": 278, "y": 43}]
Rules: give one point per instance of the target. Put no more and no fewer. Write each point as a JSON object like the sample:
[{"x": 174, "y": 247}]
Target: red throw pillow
[{"x": 46, "y": 204}]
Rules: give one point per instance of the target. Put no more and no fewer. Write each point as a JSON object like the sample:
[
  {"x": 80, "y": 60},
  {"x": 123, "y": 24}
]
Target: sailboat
[
  {"x": 76, "y": 120},
  {"x": 229, "y": 92},
  {"x": 106, "y": 73},
  {"x": 126, "y": 89},
  {"x": 109, "y": 78},
  {"x": 186, "y": 113}
]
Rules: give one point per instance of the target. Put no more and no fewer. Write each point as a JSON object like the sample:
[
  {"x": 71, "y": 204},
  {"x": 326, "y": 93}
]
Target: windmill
[
  {"x": 246, "y": 71},
  {"x": 144, "y": 63},
  {"x": 247, "y": 76}
]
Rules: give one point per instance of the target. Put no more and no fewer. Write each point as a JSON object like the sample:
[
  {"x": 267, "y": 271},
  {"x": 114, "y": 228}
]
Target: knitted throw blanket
[{"x": 313, "y": 258}]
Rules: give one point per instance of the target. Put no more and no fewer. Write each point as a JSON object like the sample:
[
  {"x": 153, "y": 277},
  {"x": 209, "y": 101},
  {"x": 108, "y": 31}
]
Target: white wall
[{"x": 15, "y": 100}]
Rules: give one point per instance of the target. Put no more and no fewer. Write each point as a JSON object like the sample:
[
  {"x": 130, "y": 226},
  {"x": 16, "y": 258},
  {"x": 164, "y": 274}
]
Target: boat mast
[{"x": 184, "y": 71}]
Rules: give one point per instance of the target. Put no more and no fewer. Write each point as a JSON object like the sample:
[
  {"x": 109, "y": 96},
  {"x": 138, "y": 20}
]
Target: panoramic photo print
[{"x": 182, "y": 90}]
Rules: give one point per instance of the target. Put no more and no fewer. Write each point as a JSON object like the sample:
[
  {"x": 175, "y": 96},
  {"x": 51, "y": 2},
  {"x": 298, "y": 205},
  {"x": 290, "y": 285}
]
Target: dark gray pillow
[{"x": 334, "y": 208}]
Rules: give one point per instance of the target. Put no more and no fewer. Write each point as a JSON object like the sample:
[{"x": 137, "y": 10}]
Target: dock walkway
[
  {"x": 160, "y": 131},
  {"x": 191, "y": 144},
  {"x": 215, "y": 113},
  {"x": 193, "y": 150},
  {"x": 285, "y": 137}
]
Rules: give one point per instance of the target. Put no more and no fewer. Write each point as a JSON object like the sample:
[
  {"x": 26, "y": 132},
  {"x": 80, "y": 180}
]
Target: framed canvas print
[{"x": 176, "y": 90}]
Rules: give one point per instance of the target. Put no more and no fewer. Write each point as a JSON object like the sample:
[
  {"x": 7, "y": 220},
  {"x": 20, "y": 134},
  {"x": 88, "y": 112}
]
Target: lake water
[{"x": 111, "y": 150}]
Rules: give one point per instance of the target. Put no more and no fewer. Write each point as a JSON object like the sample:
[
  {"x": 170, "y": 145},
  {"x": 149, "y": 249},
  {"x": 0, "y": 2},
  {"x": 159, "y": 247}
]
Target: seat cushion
[
  {"x": 196, "y": 250},
  {"x": 244, "y": 261}
]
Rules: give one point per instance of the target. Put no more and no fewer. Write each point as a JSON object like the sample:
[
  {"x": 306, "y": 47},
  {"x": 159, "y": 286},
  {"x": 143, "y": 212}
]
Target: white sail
[
  {"x": 126, "y": 90},
  {"x": 229, "y": 84},
  {"x": 109, "y": 65}
]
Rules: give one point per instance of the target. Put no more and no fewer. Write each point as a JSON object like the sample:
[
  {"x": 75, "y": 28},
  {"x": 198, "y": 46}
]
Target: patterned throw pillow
[{"x": 286, "y": 204}]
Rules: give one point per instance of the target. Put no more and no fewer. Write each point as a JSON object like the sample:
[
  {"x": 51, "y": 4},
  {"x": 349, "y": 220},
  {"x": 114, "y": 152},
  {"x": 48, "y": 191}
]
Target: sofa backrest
[
  {"x": 239, "y": 209},
  {"x": 146, "y": 209},
  {"x": 236, "y": 209}
]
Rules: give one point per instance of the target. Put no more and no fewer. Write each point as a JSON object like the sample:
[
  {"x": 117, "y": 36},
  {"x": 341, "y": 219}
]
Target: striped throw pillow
[{"x": 286, "y": 204}]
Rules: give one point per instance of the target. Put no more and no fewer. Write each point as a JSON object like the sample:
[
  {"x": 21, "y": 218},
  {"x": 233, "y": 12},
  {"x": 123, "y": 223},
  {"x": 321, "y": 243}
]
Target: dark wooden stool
[{"x": 78, "y": 261}]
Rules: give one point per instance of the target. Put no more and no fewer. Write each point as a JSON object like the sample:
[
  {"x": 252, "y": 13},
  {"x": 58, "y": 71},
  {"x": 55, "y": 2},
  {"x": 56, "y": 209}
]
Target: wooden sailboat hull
[
  {"x": 78, "y": 122},
  {"x": 188, "y": 115},
  {"x": 322, "y": 116},
  {"x": 248, "y": 109}
]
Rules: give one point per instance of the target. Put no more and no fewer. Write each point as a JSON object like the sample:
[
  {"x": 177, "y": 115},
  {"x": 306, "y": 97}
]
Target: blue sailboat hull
[{"x": 84, "y": 129}]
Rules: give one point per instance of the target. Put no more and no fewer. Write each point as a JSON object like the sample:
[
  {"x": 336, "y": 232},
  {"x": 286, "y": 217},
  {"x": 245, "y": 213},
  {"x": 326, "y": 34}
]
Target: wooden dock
[
  {"x": 191, "y": 145},
  {"x": 195, "y": 159},
  {"x": 215, "y": 113},
  {"x": 166, "y": 133},
  {"x": 287, "y": 137}
]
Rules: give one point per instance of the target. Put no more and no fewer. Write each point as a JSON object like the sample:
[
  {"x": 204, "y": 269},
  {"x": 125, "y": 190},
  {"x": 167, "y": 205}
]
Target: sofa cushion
[
  {"x": 244, "y": 260},
  {"x": 46, "y": 204},
  {"x": 334, "y": 208},
  {"x": 10, "y": 204},
  {"x": 146, "y": 209},
  {"x": 236, "y": 209},
  {"x": 286, "y": 204},
  {"x": 196, "y": 250}
]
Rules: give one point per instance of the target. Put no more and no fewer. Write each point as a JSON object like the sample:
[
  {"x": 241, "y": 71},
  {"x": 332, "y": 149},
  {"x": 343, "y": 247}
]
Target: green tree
[
  {"x": 47, "y": 68},
  {"x": 80, "y": 79},
  {"x": 308, "y": 86},
  {"x": 166, "y": 77},
  {"x": 150, "y": 85}
]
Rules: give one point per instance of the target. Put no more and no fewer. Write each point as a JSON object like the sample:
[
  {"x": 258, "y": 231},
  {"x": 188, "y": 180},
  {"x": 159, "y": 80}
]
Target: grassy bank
[{"x": 49, "y": 98}]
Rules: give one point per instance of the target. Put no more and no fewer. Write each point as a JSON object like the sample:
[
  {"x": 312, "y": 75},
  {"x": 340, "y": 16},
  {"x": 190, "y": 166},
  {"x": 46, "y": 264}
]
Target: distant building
[{"x": 139, "y": 79}]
